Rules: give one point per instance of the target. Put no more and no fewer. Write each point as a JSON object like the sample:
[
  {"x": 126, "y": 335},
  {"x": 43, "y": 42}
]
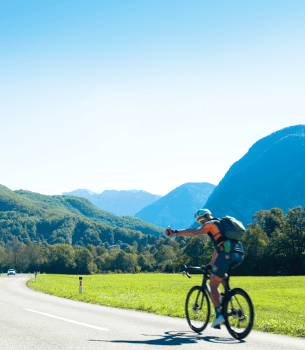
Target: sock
[{"x": 218, "y": 311}]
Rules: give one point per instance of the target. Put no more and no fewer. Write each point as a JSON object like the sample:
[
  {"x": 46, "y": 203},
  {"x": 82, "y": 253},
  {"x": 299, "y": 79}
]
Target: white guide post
[{"x": 80, "y": 284}]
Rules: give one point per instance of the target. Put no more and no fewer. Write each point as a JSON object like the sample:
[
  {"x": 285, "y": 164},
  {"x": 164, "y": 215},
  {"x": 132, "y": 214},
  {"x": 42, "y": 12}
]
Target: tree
[
  {"x": 84, "y": 262},
  {"x": 23, "y": 261},
  {"x": 121, "y": 261},
  {"x": 256, "y": 245},
  {"x": 126, "y": 262},
  {"x": 164, "y": 254},
  {"x": 14, "y": 246},
  {"x": 197, "y": 252},
  {"x": 36, "y": 255},
  {"x": 61, "y": 258},
  {"x": 101, "y": 250},
  {"x": 269, "y": 220},
  {"x": 295, "y": 232},
  {"x": 92, "y": 249}
]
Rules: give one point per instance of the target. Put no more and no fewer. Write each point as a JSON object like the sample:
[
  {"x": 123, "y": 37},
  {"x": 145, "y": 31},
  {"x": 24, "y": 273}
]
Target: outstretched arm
[{"x": 187, "y": 232}]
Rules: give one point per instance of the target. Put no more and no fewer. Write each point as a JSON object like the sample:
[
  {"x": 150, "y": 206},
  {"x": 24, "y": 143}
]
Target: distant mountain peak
[
  {"x": 177, "y": 208},
  {"x": 123, "y": 202},
  {"x": 79, "y": 192}
]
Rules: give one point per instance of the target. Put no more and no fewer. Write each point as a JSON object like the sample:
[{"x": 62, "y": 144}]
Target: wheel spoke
[
  {"x": 197, "y": 309},
  {"x": 239, "y": 314}
]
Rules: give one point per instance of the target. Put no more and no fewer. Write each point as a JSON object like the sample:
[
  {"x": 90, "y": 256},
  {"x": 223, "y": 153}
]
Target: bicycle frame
[{"x": 206, "y": 277}]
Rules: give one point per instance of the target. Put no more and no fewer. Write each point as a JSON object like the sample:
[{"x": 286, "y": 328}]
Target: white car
[{"x": 11, "y": 272}]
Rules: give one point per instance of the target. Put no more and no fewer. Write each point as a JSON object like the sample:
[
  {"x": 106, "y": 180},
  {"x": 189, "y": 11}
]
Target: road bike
[{"x": 236, "y": 305}]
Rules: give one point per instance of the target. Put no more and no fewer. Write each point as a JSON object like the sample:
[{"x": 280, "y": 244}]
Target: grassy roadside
[{"x": 279, "y": 302}]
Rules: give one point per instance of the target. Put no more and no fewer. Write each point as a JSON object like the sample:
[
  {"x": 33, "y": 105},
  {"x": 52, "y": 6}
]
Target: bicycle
[{"x": 237, "y": 308}]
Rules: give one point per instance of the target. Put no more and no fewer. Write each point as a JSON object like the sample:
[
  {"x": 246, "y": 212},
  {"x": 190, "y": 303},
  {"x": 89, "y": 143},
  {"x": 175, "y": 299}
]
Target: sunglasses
[{"x": 201, "y": 219}]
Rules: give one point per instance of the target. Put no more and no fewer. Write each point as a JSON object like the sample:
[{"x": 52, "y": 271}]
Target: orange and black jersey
[{"x": 214, "y": 229}]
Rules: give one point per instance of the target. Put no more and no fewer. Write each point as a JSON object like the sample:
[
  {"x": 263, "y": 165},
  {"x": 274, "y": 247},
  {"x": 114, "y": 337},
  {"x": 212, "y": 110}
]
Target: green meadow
[{"x": 279, "y": 302}]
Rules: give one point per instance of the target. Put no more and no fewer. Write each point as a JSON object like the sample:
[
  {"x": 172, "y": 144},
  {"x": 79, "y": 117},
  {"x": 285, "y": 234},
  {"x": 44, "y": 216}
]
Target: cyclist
[{"x": 226, "y": 252}]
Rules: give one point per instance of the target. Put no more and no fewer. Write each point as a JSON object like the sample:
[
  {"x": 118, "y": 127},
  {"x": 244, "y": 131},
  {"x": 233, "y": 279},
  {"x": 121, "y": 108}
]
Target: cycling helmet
[{"x": 200, "y": 213}]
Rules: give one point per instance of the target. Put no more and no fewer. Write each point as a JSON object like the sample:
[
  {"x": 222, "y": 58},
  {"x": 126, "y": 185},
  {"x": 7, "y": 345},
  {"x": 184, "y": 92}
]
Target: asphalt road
[{"x": 33, "y": 320}]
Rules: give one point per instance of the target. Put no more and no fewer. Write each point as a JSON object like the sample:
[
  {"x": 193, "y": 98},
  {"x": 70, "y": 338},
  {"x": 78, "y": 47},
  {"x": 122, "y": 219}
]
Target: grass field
[{"x": 279, "y": 302}]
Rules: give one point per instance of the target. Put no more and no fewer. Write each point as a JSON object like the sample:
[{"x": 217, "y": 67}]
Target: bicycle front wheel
[
  {"x": 197, "y": 309},
  {"x": 238, "y": 313}
]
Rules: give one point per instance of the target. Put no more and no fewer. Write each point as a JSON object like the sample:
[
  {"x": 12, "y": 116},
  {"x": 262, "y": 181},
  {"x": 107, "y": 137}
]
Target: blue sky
[{"x": 143, "y": 94}]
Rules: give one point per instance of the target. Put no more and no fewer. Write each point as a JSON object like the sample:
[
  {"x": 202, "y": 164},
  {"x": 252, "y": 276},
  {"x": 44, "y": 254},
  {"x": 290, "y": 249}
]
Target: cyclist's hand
[
  {"x": 169, "y": 231},
  {"x": 208, "y": 266}
]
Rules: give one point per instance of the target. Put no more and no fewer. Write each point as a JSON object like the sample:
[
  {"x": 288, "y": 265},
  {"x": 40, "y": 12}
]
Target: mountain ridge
[
  {"x": 177, "y": 208},
  {"x": 124, "y": 202},
  {"x": 73, "y": 205},
  {"x": 269, "y": 175}
]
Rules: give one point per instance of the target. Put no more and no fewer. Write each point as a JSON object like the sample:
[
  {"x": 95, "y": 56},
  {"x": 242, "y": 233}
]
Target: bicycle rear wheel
[
  {"x": 197, "y": 309},
  {"x": 238, "y": 313}
]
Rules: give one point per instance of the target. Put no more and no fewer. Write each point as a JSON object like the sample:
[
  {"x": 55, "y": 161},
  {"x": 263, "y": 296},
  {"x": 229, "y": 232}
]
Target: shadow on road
[{"x": 174, "y": 339}]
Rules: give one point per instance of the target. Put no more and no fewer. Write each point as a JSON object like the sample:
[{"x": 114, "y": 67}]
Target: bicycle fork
[{"x": 196, "y": 305}]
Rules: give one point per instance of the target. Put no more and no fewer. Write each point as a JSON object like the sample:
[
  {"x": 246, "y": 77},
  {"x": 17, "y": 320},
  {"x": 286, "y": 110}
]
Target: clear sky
[{"x": 146, "y": 94}]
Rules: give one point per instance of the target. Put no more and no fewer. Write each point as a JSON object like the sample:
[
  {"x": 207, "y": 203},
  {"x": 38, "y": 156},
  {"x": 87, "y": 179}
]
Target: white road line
[{"x": 67, "y": 320}]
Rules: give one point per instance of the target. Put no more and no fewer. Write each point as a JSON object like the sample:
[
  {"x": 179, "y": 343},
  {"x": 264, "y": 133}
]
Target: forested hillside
[
  {"x": 271, "y": 174},
  {"x": 81, "y": 207},
  {"x": 274, "y": 246},
  {"x": 52, "y": 219}
]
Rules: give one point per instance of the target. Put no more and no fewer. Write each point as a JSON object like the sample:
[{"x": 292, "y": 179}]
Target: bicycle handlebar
[{"x": 195, "y": 270}]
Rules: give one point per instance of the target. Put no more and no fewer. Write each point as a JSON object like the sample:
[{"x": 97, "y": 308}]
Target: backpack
[{"x": 232, "y": 228}]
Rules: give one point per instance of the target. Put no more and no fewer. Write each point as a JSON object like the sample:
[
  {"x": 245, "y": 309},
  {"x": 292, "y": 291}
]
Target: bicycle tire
[
  {"x": 238, "y": 313},
  {"x": 197, "y": 309}
]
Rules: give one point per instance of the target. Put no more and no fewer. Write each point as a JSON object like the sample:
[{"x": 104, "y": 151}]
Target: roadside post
[
  {"x": 35, "y": 276},
  {"x": 80, "y": 284}
]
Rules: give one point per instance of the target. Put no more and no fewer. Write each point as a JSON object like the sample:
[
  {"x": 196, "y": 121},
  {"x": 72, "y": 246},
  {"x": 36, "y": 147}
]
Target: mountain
[
  {"x": 72, "y": 220},
  {"x": 81, "y": 193},
  {"x": 178, "y": 207},
  {"x": 83, "y": 207},
  {"x": 118, "y": 202},
  {"x": 271, "y": 174}
]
